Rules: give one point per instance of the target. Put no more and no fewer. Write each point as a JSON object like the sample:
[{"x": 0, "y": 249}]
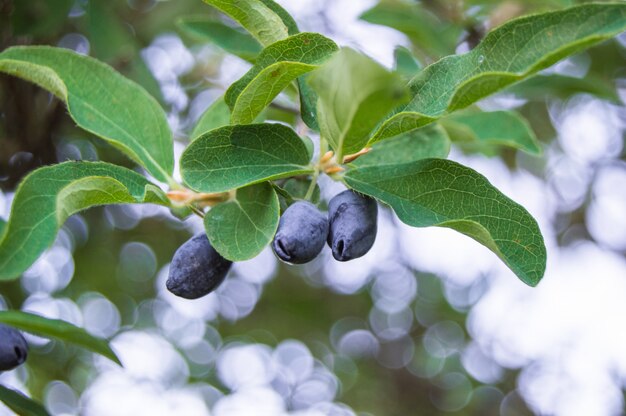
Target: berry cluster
[{"x": 349, "y": 229}]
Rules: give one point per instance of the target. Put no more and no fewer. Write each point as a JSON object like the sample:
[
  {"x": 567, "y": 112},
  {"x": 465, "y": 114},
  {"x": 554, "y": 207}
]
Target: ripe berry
[
  {"x": 196, "y": 269},
  {"x": 353, "y": 225},
  {"x": 13, "y": 348},
  {"x": 301, "y": 233}
]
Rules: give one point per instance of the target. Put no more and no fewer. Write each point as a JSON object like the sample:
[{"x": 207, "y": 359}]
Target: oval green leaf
[
  {"x": 101, "y": 101},
  {"x": 58, "y": 329},
  {"x": 510, "y": 53},
  {"x": 428, "y": 142},
  {"x": 235, "y": 156},
  {"x": 262, "y": 90},
  {"x": 288, "y": 21},
  {"x": 406, "y": 64},
  {"x": 217, "y": 115},
  {"x": 233, "y": 41},
  {"x": 355, "y": 92},
  {"x": 256, "y": 17},
  {"x": 436, "y": 37},
  {"x": 47, "y": 196},
  {"x": 438, "y": 192},
  {"x": 240, "y": 229},
  {"x": 540, "y": 87},
  {"x": 21, "y": 404},
  {"x": 489, "y": 129},
  {"x": 303, "y": 48}
]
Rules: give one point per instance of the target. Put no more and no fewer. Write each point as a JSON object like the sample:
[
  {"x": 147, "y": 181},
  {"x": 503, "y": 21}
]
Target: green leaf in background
[
  {"x": 58, "y": 329},
  {"x": 541, "y": 87},
  {"x": 233, "y": 41},
  {"x": 240, "y": 229},
  {"x": 275, "y": 68},
  {"x": 355, "y": 92},
  {"x": 235, "y": 156},
  {"x": 496, "y": 128},
  {"x": 27, "y": 16},
  {"x": 21, "y": 404},
  {"x": 100, "y": 101},
  {"x": 439, "y": 192},
  {"x": 109, "y": 38},
  {"x": 428, "y": 142},
  {"x": 256, "y": 17},
  {"x": 217, "y": 115},
  {"x": 405, "y": 63},
  {"x": 437, "y": 38},
  {"x": 47, "y": 196},
  {"x": 3, "y": 223},
  {"x": 297, "y": 189},
  {"x": 510, "y": 53}
]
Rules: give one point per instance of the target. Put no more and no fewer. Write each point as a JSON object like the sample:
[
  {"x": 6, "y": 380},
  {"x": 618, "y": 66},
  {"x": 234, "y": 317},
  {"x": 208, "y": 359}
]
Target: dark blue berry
[
  {"x": 196, "y": 269},
  {"x": 13, "y": 348},
  {"x": 301, "y": 233},
  {"x": 353, "y": 225}
]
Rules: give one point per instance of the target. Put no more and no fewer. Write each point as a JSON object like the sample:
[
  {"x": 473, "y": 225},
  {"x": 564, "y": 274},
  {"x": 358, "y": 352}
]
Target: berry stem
[{"x": 318, "y": 167}]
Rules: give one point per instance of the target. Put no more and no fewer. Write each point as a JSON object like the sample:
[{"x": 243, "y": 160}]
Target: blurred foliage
[{"x": 35, "y": 130}]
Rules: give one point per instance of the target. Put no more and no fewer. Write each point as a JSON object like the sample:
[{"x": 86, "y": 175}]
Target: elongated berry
[
  {"x": 353, "y": 225},
  {"x": 196, "y": 269},
  {"x": 301, "y": 233},
  {"x": 13, "y": 348}
]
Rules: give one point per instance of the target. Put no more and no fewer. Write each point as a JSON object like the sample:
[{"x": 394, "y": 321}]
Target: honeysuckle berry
[
  {"x": 301, "y": 233},
  {"x": 13, "y": 348},
  {"x": 353, "y": 225},
  {"x": 196, "y": 269}
]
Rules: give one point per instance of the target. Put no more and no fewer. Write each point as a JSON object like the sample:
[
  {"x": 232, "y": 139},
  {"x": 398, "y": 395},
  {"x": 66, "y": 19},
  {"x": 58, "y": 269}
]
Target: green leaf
[
  {"x": 58, "y": 329},
  {"x": 24, "y": 21},
  {"x": 496, "y": 128},
  {"x": 405, "y": 63},
  {"x": 262, "y": 90},
  {"x": 308, "y": 98},
  {"x": 21, "y": 404},
  {"x": 3, "y": 223},
  {"x": 100, "y": 101},
  {"x": 541, "y": 87},
  {"x": 233, "y": 41},
  {"x": 217, "y": 115},
  {"x": 235, "y": 156},
  {"x": 47, "y": 196},
  {"x": 297, "y": 189},
  {"x": 111, "y": 40},
  {"x": 425, "y": 30},
  {"x": 438, "y": 192},
  {"x": 428, "y": 142},
  {"x": 240, "y": 229},
  {"x": 510, "y": 53},
  {"x": 354, "y": 92},
  {"x": 256, "y": 17},
  {"x": 275, "y": 68},
  {"x": 288, "y": 21},
  {"x": 308, "y": 103}
]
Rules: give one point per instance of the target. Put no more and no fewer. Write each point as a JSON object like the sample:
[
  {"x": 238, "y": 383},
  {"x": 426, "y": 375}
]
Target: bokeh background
[{"x": 428, "y": 323}]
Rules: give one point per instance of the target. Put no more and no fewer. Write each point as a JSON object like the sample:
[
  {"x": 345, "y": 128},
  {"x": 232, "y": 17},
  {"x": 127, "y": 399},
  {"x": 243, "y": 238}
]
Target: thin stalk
[
  {"x": 309, "y": 192},
  {"x": 196, "y": 211},
  {"x": 318, "y": 167}
]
